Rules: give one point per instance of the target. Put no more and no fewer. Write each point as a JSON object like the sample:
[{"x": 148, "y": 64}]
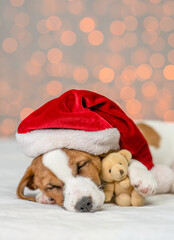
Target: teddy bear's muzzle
[{"x": 118, "y": 173}]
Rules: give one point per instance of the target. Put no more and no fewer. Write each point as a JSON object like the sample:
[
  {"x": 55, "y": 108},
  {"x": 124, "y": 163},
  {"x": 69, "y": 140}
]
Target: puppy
[
  {"x": 159, "y": 136},
  {"x": 69, "y": 178}
]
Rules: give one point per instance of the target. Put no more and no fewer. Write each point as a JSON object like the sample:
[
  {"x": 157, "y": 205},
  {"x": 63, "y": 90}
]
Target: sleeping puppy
[{"x": 70, "y": 178}]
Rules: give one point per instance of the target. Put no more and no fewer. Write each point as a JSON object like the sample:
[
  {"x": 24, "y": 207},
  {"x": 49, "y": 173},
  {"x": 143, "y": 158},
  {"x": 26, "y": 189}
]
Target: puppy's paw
[
  {"x": 42, "y": 198},
  {"x": 142, "y": 180}
]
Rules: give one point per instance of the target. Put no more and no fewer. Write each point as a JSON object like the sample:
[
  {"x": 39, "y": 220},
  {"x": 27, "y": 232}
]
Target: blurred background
[{"x": 123, "y": 49}]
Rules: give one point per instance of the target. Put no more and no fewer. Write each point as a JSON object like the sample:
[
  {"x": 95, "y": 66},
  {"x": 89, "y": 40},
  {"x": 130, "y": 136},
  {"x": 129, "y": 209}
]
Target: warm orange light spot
[
  {"x": 127, "y": 93},
  {"x": 31, "y": 69},
  {"x": 87, "y": 24},
  {"x": 97, "y": 69},
  {"x": 8, "y": 126},
  {"x": 17, "y": 3},
  {"x": 38, "y": 58},
  {"x": 68, "y": 38},
  {"x": 157, "y": 60},
  {"x": 169, "y": 116},
  {"x": 53, "y": 23},
  {"x": 80, "y": 74},
  {"x": 138, "y": 8},
  {"x": 54, "y": 88},
  {"x": 106, "y": 75},
  {"x": 128, "y": 75},
  {"x": 9, "y": 45},
  {"x": 141, "y": 55},
  {"x": 158, "y": 45},
  {"x": 149, "y": 37},
  {"x": 171, "y": 56},
  {"x": 22, "y": 20},
  {"x": 56, "y": 69},
  {"x": 133, "y": 106},
  {"x": 116, "y": 44},
  {"x": 169, "y": 72},
  {"x": 161, "y": 107},
  {"x": 115, "y": 61},
  {"x": 117, "y": 27},
  {"x": 130, "y": 23},
  {"x": 168, "y": 8},
  {"x": 151, "y": 23},
  {"x": 130, "y": 39},
  {"x": 42, "y": 26},
  {"x": 95, "y": 38},
  {"x": 54, "y": 55},
  {"x": 144, "y": 71},
  {"x": 171, "y": 40},
  {"x": 149, "y": 89},
  {"x": 25, "y": 113},
  {"x": 45, "y": 41},
  {"x": 75, "y": 7},
  {"x": 167, "y": 24}
]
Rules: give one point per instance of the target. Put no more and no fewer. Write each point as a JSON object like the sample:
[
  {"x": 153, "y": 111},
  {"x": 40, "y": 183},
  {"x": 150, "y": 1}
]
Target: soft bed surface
[{"x": 23, "y": 220}]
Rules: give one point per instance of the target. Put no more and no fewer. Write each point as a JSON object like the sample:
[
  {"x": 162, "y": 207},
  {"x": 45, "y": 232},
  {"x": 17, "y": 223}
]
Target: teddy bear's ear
[{"x": 126, "y": 154}]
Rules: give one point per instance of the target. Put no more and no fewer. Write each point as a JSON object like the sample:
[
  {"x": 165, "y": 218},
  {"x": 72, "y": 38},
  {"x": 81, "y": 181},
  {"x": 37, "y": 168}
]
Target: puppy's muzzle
[{"x": 84, "y": 204}]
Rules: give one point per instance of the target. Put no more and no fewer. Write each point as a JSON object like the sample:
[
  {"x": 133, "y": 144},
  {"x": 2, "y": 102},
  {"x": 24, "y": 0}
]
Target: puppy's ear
[
  {"x": 97, "y": 163},
  {"x": 27, "y": 181}
]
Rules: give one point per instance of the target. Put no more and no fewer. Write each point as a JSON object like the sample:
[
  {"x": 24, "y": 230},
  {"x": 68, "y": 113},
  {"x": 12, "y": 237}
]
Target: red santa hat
[{"x": 85, "y": 121}]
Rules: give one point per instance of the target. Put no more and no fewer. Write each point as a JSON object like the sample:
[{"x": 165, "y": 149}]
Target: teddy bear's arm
[
  {"x": 125, "y": 183},
  {"x": 108, "y": 191}
]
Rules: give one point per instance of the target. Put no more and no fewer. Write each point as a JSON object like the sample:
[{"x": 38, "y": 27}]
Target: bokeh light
[
  {"x": 53, "y": 23},
  {"x": 169, "y": 72},
  {"x": 131, "y": 23},
  {"x": 25, "y": 112},
  {"x": 157, "y": 60},
  {"x": 117, "y": 27},
  {"x": 22, "y": 20},
  {"x": 95, "y": 38},
  {"x": 54, "y": 55},
  {"x": 122, "y": 49},
  {"x": 68, "y": 38},
  {"x": 106, "y": 75},
  {"x": 9, "y": 45},
  {"x": 54, "y": 88},
  {"x": 144, "y": 72},
  {"x": 80, "y": 74},
  {"x": 87, "y": 24}
]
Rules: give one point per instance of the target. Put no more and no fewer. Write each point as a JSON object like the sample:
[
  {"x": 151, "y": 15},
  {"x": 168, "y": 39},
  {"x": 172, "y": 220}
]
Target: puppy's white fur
[
  {"x": 163, "y": 156},
  {"x": 75, "y": 188},
  {"x": 142, "y": 179}
]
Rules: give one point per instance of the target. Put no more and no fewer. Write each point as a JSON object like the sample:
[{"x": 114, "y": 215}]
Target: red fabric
[{"x": 89, "y": 111}]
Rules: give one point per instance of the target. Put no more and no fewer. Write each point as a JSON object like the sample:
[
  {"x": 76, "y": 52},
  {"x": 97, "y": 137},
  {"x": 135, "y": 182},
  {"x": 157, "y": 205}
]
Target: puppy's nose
[
  {"x": 84, "y": 204},
  {"x": 121, "y": 172}
]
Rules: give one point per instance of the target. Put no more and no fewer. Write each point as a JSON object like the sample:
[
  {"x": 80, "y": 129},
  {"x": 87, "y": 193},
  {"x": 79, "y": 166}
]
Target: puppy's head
[{"x": 70, "y": 177}]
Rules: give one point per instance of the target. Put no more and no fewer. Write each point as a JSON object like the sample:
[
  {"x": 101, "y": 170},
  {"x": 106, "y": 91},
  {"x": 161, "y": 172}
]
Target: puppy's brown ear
[{"x": 27, "y": 181}]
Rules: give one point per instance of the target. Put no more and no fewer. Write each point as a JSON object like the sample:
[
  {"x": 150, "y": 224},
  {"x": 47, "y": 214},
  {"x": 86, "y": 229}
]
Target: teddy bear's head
[{"x": 115, "y": 166}]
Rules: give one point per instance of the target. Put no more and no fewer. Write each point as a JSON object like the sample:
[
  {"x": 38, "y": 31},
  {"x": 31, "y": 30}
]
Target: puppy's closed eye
[
  {"x": 51, "y": 187},
  {"x": 80, "y": 165}
]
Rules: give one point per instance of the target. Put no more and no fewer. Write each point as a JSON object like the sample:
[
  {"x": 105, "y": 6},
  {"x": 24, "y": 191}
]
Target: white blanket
[{"x": 24, "y": 220}]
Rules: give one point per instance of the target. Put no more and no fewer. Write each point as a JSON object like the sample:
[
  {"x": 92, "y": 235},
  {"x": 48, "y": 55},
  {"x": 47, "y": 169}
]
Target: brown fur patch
[
  {"x": 149, "y": 133},
  {"x": 39, "y": 176}
]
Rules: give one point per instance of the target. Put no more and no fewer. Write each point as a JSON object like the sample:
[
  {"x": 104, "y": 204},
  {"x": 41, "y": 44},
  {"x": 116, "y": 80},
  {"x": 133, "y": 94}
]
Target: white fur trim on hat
[{"x": 37, "y": 142}]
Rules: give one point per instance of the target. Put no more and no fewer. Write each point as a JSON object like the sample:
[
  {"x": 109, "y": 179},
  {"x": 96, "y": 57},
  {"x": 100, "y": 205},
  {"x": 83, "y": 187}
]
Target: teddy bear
[{"x": 114, "y": 173}]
